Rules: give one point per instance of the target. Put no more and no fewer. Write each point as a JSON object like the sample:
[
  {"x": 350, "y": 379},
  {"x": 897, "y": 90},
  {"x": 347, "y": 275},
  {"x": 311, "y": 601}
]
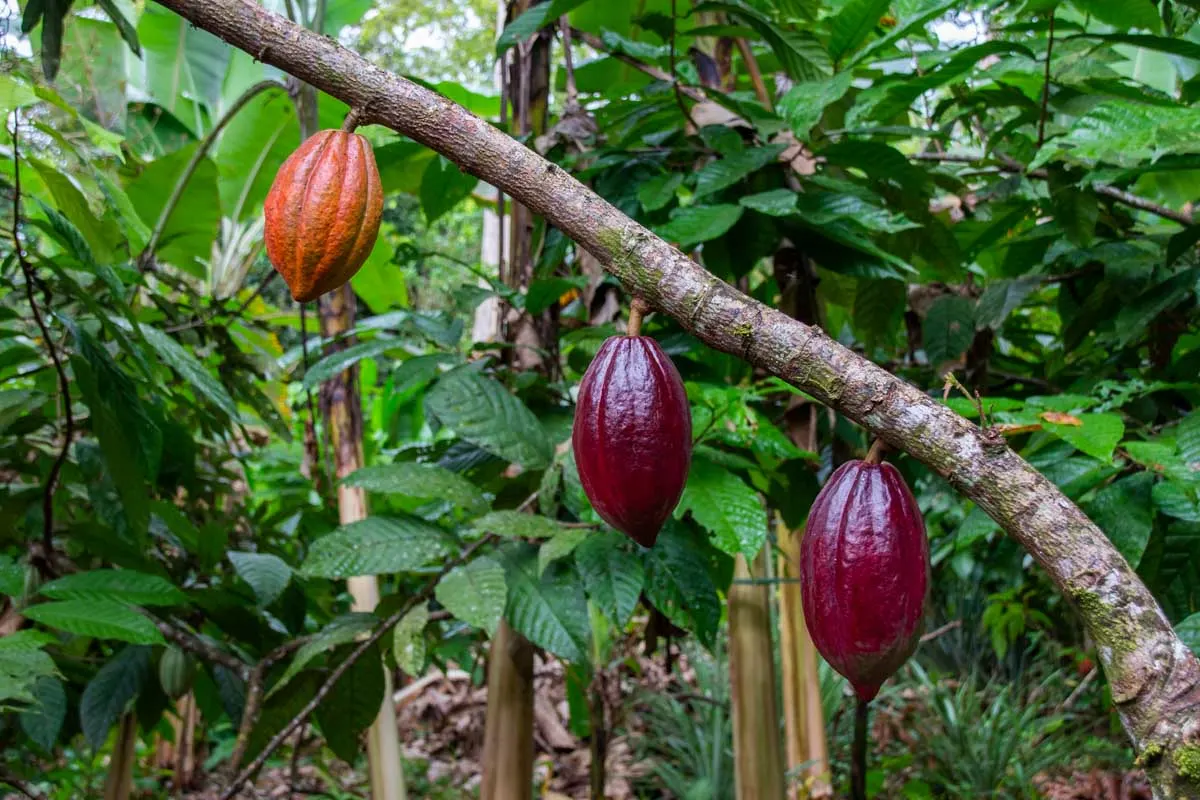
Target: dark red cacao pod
[
  {"x": 321, "y": 217},
  {"x": 633, "y": 436},
  {"x": 864, "y": 573}
]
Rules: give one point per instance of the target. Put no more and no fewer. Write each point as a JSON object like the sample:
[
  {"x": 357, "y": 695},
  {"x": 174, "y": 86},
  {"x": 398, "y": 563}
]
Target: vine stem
[
  {"x": 64, "y": 385},
  {"x": 185, "y": 177},
  {"x": 637, "y": 312},
  {"x": 858, "y": 754}
]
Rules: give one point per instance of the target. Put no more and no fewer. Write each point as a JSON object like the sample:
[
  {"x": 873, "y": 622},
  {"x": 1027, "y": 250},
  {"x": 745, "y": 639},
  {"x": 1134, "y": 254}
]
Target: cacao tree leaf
[
  {"x": 22, "y": 664},
  {"x": 612, "y": 574},
  {"x": 949, "y": 328},
  {"x": 483, "y": 412},
  {"x": 532, "y": 20},
  {"x": 560, "y": 546},
  {"x": 408, "y": 640},
  {"x": 1000, "y": 299},
  {"x": 110, "y": 692},
  {"x": 180, "y": 359},
  {"x": 851, "y": 26},
  {"x": 1187, "y": 436},
  {"x": 444, "y": 186},
  {"x": 802, "y": 56},
  {"x": 120, "y": 585},
  {"x": 375, "y": 546},
  {"x": 282, "y": 707},
  {"x": 100, "y": 619},
  {"x": 904, "y": 30},
  {"x": 1189, "y": 631},
  {"x": 44, "y": 719},
  {"x": 1124, "y": 511},
  {"x": 353, "y": 704},
  {"x": 1098, "y": 436},
  {"x": 338, "y": 362},
  {"x": 775, "y": 203},
  {"x": 659, "y": 191},
  {"x": 1178, "y": 500},
  {"x": 726, "y": 507},
  {"x": 695, "y": 224},
  {"x": 805, "y": 103},
  {"x": 268, "y": 575},
  {"x": 475, "y": 593},
  {"x": 420, "y": 481},
  {"x": 1076, "y": 210},
  {"x": 725, "y": 172},
  {"x": 879, "y": 310},
  {"x": 1124, "y": 14},
  {"x": 549, "y": 610},
  {"x": 518, "y": 525},
  {"x": 340, "y": 630},
  {"x": 679, "y": 585}
]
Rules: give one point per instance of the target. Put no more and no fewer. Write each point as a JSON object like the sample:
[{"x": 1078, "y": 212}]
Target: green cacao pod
[{"x": 176, "y": 669}]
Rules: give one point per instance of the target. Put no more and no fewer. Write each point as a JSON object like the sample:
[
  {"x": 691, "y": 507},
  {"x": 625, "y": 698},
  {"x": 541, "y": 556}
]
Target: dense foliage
[{"x": 1000, "y": 192}]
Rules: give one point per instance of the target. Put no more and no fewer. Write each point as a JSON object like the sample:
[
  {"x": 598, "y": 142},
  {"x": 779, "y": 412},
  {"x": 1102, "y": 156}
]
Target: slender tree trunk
[
  {"x": 342, "y": 405},
  {"x": 757, "y": 752},
  {"x": 119, "y": 783},
  {"x": 803, "y": 718},
  {"x": 508, "y": 740}
]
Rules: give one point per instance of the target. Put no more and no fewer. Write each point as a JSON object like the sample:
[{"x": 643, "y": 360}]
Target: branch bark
[{"x": 1155, "y": 678}]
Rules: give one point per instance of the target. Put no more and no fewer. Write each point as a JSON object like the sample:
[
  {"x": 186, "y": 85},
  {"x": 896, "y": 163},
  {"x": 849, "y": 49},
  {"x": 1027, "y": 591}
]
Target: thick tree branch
[{"x": 1155, "y": 679}]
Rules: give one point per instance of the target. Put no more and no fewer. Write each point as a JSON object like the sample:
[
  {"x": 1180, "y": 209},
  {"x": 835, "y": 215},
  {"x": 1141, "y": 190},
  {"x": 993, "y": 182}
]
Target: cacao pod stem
[
  {"x": 352, "y": 120},
  {"x": 858, "y": 755},
  {"x": 875, "y": 454},
  {"x": 637, "y": 310}
]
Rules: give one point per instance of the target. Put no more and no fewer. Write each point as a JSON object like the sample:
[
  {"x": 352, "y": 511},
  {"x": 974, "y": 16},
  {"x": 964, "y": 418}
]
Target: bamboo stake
[
  {"x": 119, "y": 783},
  {"x": 508, "y": 741}
]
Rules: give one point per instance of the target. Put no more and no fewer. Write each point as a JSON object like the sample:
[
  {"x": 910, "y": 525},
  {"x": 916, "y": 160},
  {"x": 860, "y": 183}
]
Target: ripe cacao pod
[
  {"x": 322, "y": 213},
  {"x": 176, "y": 669},
  {"x": 633, "y": 436},
  {"x": 864, "y": 573}
]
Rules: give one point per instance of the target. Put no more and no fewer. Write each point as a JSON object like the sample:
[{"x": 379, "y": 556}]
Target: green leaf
[
  {"x": 695, "y": 224},
  {"x": 251, "y": 150},
  {"x": 338, "y": 362},
  {"x": 678, "y": 584},
  {"x": 1097, "y": 437},
  {"x": 802, "y": 56},
  {"x": 1161, "y": 44},
  {"x": 111, "y": 691},
  {"x": 420, "y": 481},
  {"x": 475, "y": 593},
  {"x": 380, "y": 283},
  {"x": 353, "y": 704},
  {"x": 879, "y": 310},
  {"x": 100, "y": 619},
  {"x": 1189, "y": 631},
  {"x": 124, "y": 26},
  {"x": 443, "y": 186},
  {"x": 532, "y": 20},
  {"x": 482, "y": 411},
  {"x": 1123, "y": 510},
  {"x": 549, "y": 610},
  {"x": 949, "y": 328},
  {"x": 612, "y": 574},
  {"x": 1000, "y": 299},
  {"x": 1177, "y": 500},
  {"x": 560, "y": 546},
  {"x": 281, "y": 708},
  {"x": 341, "y": 630},
  {"x": 725, "y": 506},
  {"x": 409, "y": 640},
  {"x": 725, "y": 172},
  {"x": 518, "y": 525},
  {"x": 660, "y": 190},
  {"x": 905, "y": 30},
  {"x": 1076, "y": 210},
  {"x": 74, "y": 206},
  {"x": 775, "y": 203},
  {"x": 1187, "y": 436},
  {"x": 119, "y": 585},
  {"x": 852, "y": 25},
  {"x": 185, "y": 66},
  {"x": 22, "y": 664},
  {"x": 43, "y": 721},
  {"x": 375, "y": 546},
  {"x": 805, "y": 103},
  {"x": 267, "y": 574},
  {"x": 1124, "y": 14},
  {"x": 195, "y": 223},
  {"x": 180, "y": 359}
]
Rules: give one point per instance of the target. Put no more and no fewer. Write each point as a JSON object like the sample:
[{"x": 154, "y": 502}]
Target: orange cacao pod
[{"x": 322, "y": 213}]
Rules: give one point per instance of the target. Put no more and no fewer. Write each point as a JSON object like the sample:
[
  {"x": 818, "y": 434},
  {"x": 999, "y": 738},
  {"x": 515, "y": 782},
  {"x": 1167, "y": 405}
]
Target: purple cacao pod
[
  {"x": 633, "y": 436},
  {"x": 864, "y": 572}
]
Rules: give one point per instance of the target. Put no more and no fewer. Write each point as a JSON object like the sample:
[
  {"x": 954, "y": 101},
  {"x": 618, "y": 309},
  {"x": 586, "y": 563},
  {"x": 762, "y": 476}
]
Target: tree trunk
[
  {"x": 756, "y": 749},
  {"x": 343, "y": 419},
  {"x": 508, "y": 740},
  {"x": 118, "y": 785},
  {"x": 802, "y": 714}
]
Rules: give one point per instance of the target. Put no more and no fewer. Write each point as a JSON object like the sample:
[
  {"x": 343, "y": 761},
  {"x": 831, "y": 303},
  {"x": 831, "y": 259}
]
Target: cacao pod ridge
[
  {"x": 322, "y": 214},
  {"x": 632, "y": 436},
  {"x": 864, "y": 572}
]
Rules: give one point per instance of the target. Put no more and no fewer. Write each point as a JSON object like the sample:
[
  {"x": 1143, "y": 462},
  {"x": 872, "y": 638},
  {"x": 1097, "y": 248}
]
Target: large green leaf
[
  {"x": 72, "y": 204},
  {"x": 727, "y": 507},
  {"x": 532, "y": 20},
  {"x": 185, "y": 66},
  {"x": 341, "y": 630},
  {"x": 44, "y": 719},
  {"x": 1123, "y": 510},
  {"x": 475, "y": 593},
  {"x": 679, "y": 585},
  {"x": 612, "y": 574},
  {"x": 380, "y": 283},
  {"x": 518, "y": 525},
  {"x": 111, "y": 691},
  {"x": 1125, "y": 14},
  {"x": 1000, "y": 299},
  {"x": 252, "y": 148},
  {"x": 695, "y": 224},
  {"x": 802, "y": 56},
  {"x": 1097, "y": 435},
  {"x": 339, "y": 361},
  {"x": 100, "y": 619},
  {"x": 267, "y": 574},
  {"x": 420, "y": 481},
  {"x": 549, "y": 610},
  {"x": 195, "y": 222},
  {"x": 23, "y": 663},
  {"x": 949, "y": 328},
  {"x": 180, "y": 359},
  {"x": 725, "y": 172},
  {"x": 805, "y": 103},
  {"x": 376, "y": 546},
  {"x": 483, "y": 412},
  {"x": 353, "y": 704},
  {"x": 444, "y": 186},
  {"x": 120, "y": 585},
  {"x": 851, "y": 26}
]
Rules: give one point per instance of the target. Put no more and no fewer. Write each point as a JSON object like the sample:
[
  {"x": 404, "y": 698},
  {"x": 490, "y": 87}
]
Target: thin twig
[
  {"x": 196, "y": 645},
  {"x": 936, "y": 632},
  {"x": 687, "y": 115},
  {"x": 19, "y": 785},
  {"x": 255, "y": 687},
  {"x": 756, "y": 78},
  {"x": 64, "y": 386},
  {"x": 572, "y": 100},
  {"x": 420, "y": 597},
  {"x": 1041, "y": 139}
]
